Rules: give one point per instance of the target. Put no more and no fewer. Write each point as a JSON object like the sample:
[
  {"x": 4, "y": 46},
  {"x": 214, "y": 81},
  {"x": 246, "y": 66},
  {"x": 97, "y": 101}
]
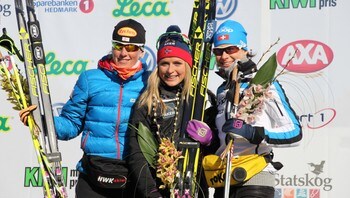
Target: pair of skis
[
  {"x": 40, "y": 122},
  {"x": 202, "y": 27}
]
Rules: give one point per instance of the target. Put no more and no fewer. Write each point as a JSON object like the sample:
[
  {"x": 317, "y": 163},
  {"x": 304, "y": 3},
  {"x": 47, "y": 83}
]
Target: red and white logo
[
  {"x": 223, "y": 37},
  {"x": 86, "y": 6},
  {"x": 310, "y": 56}
]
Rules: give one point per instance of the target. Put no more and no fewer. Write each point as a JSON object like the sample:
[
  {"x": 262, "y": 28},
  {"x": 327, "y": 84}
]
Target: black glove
[
  {"x": 235, "y": 126},
  {"x": 246, "y": 67}
]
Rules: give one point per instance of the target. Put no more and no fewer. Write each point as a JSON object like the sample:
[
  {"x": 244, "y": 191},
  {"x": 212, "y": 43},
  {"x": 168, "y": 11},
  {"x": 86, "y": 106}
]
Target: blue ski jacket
[{"x": 99, "y": 108}]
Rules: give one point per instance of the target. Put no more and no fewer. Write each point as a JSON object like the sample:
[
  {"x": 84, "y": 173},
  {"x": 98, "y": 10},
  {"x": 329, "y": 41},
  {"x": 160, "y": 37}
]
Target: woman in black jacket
[{"x": 159, "y": 110}]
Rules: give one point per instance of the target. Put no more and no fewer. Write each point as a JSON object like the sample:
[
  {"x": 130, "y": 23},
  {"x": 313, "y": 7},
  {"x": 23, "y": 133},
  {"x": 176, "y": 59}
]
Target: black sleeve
[
  {"x": 139, "y": 169},
  {"x": 247, "y": 67},
  {"x": 209, "y": 118}
]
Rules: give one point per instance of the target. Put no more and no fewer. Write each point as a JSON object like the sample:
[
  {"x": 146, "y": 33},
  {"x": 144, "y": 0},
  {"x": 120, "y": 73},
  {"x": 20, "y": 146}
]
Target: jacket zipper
[
  {"x": 278, "y": 107},
  {"x": 83, "y": 143},
  {"x": 118, "y": 121}
]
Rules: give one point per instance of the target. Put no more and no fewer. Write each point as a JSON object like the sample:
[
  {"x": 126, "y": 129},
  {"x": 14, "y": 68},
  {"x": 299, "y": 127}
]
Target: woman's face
[
  {"x": 225, "y": 57},
  {"x": 126, "y": 56},
  {"x": 172, "y": 70}
]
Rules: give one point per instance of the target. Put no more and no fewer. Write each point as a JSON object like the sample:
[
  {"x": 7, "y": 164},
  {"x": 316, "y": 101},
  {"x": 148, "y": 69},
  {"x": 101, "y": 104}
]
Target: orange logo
[{"x": 126, "y": 31}]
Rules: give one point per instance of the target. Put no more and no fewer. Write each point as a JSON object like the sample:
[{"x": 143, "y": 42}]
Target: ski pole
[{"x": 234, "y": 78}]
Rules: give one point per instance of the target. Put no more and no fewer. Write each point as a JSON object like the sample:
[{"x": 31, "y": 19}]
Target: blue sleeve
[{"x": 71, "y": 121}]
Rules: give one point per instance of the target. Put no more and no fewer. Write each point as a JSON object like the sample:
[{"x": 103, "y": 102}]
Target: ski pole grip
[{"x": 229, "y": 137}]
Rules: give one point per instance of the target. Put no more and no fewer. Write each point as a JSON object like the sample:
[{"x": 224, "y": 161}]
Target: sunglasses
[
  {"x": 173, "y": 36},
  {"x": 227, "y": 50},
  {"x": 128, "y": 47}
]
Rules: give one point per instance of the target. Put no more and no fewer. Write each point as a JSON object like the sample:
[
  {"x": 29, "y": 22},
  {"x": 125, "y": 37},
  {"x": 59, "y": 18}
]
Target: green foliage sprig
[
  {"x": 266, "y": 72},
  {"x": 12, "y": 82},
  {"x": 147, "y": 143}
]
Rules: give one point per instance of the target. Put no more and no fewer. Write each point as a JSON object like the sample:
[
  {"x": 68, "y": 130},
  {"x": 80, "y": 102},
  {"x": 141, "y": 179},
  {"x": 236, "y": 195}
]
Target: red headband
[{"x": 172, "y": 51}]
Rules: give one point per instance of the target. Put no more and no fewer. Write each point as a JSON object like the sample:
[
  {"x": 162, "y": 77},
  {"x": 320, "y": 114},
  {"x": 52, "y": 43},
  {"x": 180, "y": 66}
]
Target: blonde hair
[{"x": 152, "y": 90}]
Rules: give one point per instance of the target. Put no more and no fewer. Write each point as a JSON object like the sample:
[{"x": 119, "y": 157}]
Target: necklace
[{"x": 155, "y": 104}]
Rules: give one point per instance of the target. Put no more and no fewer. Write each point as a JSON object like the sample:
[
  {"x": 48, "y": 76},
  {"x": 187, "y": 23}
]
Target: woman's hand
[{"x": 23, "y": 114}]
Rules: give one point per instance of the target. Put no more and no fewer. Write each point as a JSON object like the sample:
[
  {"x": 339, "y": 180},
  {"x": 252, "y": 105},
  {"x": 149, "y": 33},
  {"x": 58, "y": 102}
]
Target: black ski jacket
[{"x": 142, "y": 175}]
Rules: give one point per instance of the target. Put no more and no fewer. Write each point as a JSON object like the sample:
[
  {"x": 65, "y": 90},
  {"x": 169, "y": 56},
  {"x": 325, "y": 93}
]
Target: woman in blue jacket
[{"x": 99, "y": 109}]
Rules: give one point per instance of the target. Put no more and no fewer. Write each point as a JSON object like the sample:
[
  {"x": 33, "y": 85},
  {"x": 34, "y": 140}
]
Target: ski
[
  {"x": 17, "y": 87},
  {"x": 185, "y": 177},
  {"x": 198, "y": 106},
  {"x": 210, "y": 27},
  {"x": 184, "y": 143},
  {"x": 196, "y": 35},
  {"x": 34, "y": 63},
  {"x": 189, "y": 170}
]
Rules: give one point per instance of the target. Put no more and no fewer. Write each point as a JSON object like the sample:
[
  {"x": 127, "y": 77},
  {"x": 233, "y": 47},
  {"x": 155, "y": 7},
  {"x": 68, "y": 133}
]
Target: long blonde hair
[{"x": 152, "y": 89}]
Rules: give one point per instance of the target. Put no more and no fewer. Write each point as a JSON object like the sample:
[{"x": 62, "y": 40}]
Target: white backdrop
[{"x": 76, "y": 33}]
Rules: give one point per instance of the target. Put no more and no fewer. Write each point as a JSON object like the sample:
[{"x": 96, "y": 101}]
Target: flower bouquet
[
  {"x": 164, "y": 158},
  {"x": 252, "y": 102},
  {"x": 168, "y": 157}
]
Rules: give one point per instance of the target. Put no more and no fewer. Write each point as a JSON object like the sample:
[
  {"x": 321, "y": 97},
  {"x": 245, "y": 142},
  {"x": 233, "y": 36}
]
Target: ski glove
[
  {"x": 200, "y": 132},
  {"x": 246, "y": 67},
  {"x": 235, "y": 126},
  {"x": 24, "y": 113}
]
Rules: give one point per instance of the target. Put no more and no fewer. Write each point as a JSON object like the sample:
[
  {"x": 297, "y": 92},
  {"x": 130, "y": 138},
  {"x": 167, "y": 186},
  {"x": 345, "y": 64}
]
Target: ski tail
[
  {"x": 196, "y": 38},
  {"x": 34, "y": 62},
  {"x": 210, "y": 26},
  {"x": 29, "y": 67},
  {"x": 39, "y": 61},
  {"x": 18, "y": 89}
]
